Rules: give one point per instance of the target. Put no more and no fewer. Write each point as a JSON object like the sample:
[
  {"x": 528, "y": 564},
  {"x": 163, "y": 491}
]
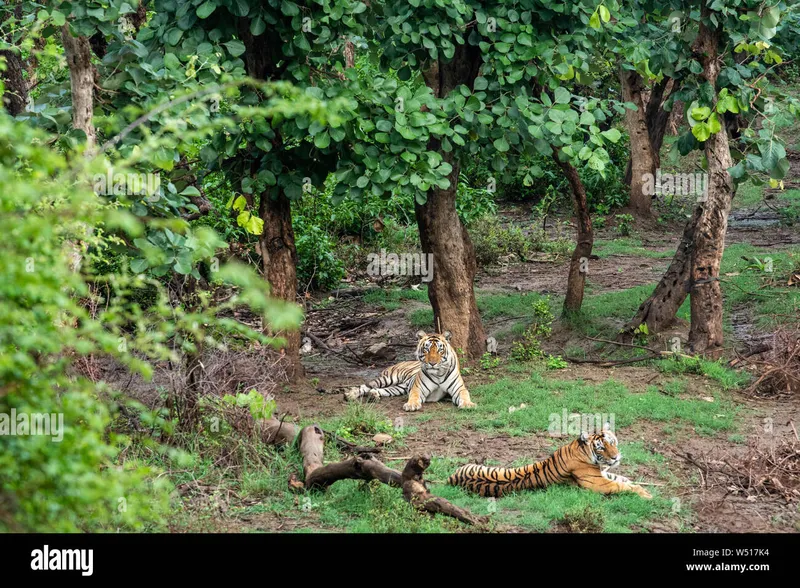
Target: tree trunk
[
  {"x": 643, "y": 161},
  {"x": 579, "y": 264},
  {"x": 276, "y": 243},
  {"x": 657, "y": 120},
  {"x": 705, "y": 334},
  {"x": 81, "y": 75},
  {"x": 15, "y": 96},
  {"x": 659, "y": 310},
  {"x": 657, "y": 117},
  {"x": 454, "y": 267},
  {"x": 279, "y": 259},
  {"x": 443, "y": 235},
  {"x": 349, "y": 55}
]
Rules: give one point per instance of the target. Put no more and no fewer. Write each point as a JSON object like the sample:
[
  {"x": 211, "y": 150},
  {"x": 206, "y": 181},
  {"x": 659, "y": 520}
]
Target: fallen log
[
  {"x": 368, "y": 467},
  {"x": 279, "y": 432}
]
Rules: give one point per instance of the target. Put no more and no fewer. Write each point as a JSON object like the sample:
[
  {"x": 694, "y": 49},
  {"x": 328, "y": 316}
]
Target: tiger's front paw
[
  {"x": 467, "y": 404},
  {"x": 412, "y": 406},
  {"x": 352, "y": 394},
  {"x": 641, "y": 492},
  {"x": 374, "y": 394}
]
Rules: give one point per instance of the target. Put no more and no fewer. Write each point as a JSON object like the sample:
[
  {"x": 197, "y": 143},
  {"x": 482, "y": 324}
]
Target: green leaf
[
  {"x": 267, "y": 177},
  {"x": 182, "y": 266},
  {"x": 612, "y": 135},
  {"x": 205, "y": 9},
  {"x": 240, "y": 203},
  {"x": 700, "y": 113},
  {"x": 322, "y": 140},
  {"x": 289, "y": 8},
  {"x": 257, "y": 26},
  {"x": 771, "y": 154},
  {"x": 236, "y": 48},
  {"x": 243, "y": 217},
  {"x": 779, "y": 171},
  {"x": 501, "y": 145},
  {"x": 480, "y": 83},
  {"x": 174, "y": 36},
  {"x": 738, "y": 171},
  {"x": 171, "y": 61},
  {"x": 701, "y": 131},
  {"x": 254, "y": 226},
  {"x": 58, "y": 18},
  {"x": 713, "y": 124},
  {"x": 605, "y": 15},
  {"x": 596, "y": 163},
  {"x": 562, "y": 95},
  {"x": 594, "y": 21},
  {"x": 190, "y": 191},
  {"x": 139, "y": 265}
]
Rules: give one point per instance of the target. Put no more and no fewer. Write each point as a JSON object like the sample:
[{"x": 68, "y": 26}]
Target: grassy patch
[
  {"x": 748, "y": 195},
  {"x": 627, "y": 246},
  {"x": 715, "y": 370},
  {"x": 546, "y": 399},
  {"x": 392, "y": 299},
  {"x": 491, "y": 306}
]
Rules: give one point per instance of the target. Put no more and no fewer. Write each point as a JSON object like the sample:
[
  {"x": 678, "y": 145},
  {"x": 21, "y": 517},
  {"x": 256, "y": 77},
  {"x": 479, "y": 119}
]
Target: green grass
[
  {"x": 546, "y": 397},
  {"x": 627, "y": 246},
  {"x": 748, "y": 290},
  {"x": 361, "y": 421},
  {"x": 748, "y": 195},
  {"x": 392, "y": 299},
  {"x": 727, "y": 378},
  {"x": 491, "y": 306}
]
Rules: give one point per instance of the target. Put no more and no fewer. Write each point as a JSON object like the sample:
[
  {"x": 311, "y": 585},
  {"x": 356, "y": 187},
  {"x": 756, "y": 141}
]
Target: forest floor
[{"x": 678, "y": 421}]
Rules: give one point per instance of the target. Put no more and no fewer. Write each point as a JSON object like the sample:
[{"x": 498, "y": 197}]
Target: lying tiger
[
  {"x": 577, "y": 463},
  {"x": 432, "y": 376}
]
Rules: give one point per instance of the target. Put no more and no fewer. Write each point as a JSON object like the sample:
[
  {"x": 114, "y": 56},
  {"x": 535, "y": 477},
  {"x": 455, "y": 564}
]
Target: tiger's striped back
[{"x": 399, "y": 373}]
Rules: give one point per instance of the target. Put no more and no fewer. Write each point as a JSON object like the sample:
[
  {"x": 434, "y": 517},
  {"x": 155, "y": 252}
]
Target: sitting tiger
[
  {"x": 577, "y": 463},
  {"x": 432, "y": 376}
]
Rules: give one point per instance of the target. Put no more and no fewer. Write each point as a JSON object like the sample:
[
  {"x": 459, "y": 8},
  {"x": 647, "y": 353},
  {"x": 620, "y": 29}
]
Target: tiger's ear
[
  {"x": 584, "y": 437},
  {"x": 447, "y": 335},
  {"x": 421, "y": 334}
]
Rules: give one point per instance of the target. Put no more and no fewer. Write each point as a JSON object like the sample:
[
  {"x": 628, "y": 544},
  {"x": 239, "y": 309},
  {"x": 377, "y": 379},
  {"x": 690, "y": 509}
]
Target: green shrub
[
  {"x": 624, "y": 224},
  {"x": 317, "y": 266},
  {"x": 73, "y": 479},
  {"x": 493, "y": 241},
  {"x": 530, "y": 346}
]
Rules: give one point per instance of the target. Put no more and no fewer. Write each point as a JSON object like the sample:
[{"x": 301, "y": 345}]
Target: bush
[
  {"x": 317, "y": 266},
  {"x": 624, "y": 224},
  {"x": 492, "y": 241},
  {"x": 68, "y": 484},
  {"x": 473, "y": 203},
  {"x": 53, "y": 318},
  {"x": 530, "y": 346}
]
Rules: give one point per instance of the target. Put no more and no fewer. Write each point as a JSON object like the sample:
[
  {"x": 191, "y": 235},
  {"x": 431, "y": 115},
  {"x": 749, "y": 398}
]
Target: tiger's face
[
  {"x": 433, "y": 351},
  {"x": 601, "y": 447}
]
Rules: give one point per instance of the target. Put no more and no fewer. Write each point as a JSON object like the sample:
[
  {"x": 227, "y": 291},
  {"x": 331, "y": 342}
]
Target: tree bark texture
[{"x": 443, "y": 235}]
